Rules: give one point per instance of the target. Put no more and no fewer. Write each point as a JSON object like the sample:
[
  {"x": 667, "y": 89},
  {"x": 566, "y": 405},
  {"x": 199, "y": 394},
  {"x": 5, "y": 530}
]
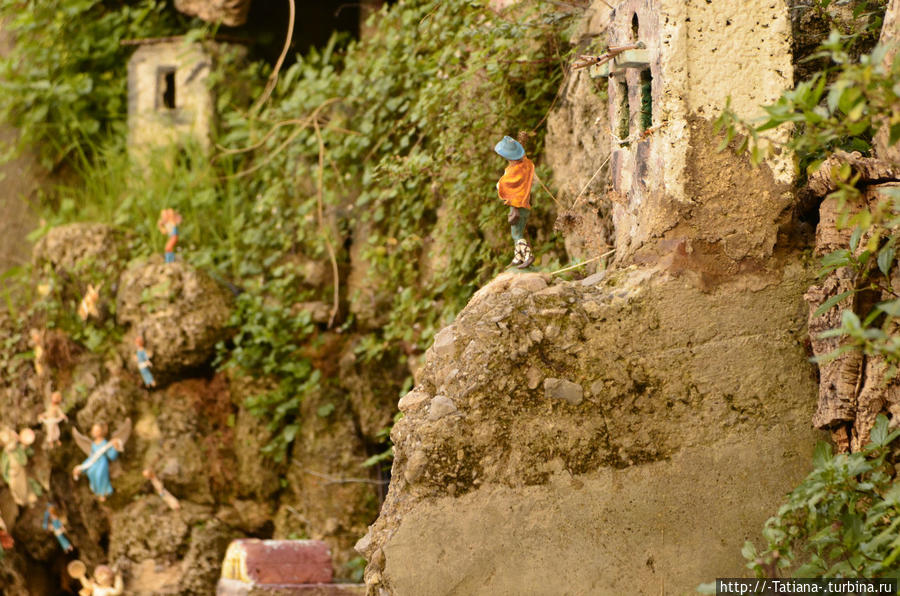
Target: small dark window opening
[
  {"x": 166, "y": 87},
  {"x": 646, "y": 99},
  {"x": 624, "y": 116},
  {"x": 634, "y": 27}
]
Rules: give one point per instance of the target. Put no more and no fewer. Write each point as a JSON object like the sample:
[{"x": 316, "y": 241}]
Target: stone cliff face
[
  {"x": 592, "y": 437},
  {"x": 193, "y": 429},
  {"x": 595, "y": 436}
]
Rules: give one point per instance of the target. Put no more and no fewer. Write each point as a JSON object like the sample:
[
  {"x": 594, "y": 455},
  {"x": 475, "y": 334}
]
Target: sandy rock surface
[{"x": 578, "y": 421}]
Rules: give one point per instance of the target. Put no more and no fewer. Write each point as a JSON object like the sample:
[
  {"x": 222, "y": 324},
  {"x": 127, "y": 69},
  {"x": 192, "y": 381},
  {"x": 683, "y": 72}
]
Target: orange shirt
[{"x": 515, "y": 184}]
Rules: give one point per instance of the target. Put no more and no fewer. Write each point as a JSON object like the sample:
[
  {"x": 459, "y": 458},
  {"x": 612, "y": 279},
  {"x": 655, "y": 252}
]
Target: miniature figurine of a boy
[
  {"x": 51, "y": 418},
  {"x": 88, "y": 305},
  {"x": 100, "y": 452},
  {"x": 54, "y": 523},
  {"x": 143, "y": 362},
  {"x": 37, "y": 341},
  {"x": 168, "y": 225},
  {"x": 514, "y": 188},
  {"x": 14, "y": 461},
  {"x": 104, "y": 583},
  {"x": 167, "y": 497}
]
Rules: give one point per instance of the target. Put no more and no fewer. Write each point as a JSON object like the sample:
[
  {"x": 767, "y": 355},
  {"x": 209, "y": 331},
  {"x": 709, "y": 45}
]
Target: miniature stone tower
[
  {"x": 169, "y": 97},
  {"x": 671, "y": 189}
]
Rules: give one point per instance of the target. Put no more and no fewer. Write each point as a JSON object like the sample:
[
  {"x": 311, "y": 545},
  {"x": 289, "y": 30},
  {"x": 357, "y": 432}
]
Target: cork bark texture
[{"x": 854, "y": 387}]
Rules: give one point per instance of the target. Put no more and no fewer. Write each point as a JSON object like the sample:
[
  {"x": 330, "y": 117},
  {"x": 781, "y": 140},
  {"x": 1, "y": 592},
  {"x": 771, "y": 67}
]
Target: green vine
[
  {"x": 64, "y": 78},
  {"x": 383, "y": 145}
]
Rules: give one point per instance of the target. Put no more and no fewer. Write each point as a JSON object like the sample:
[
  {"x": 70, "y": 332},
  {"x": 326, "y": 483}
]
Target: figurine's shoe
[
  {"x": 518, "y": 255},
  {"x": 523, "y": 248}
]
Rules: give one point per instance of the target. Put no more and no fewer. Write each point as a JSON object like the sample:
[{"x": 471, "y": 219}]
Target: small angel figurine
[
  {"x": 104, "y": 583},
  {"x": 88, "y": 305},
  {"x": 100, "y": 452},
  {"x": 167, "y": 497},
  {"x": 56, "y": 524},
  {"x": 143, "y": 362},
  {"x": 37, "y": 340},
  {"x": 168, "y": 225},
  {"x": 514, "y": 188},
  {"x": 13, "y": 461},
  {"x": 51, "y": 418}
]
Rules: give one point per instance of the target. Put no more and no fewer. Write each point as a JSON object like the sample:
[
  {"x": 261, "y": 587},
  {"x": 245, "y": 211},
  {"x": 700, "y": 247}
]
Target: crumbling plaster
[{"x": 702, "y": 54}]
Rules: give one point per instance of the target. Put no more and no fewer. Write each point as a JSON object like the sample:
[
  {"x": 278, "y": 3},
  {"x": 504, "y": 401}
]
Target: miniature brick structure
[
  {"x": 169, "y": 98},
  {"x": 693, "y": 56},
  {"x": 227, "y": 12},
  {"x": 281, "y": 567}
]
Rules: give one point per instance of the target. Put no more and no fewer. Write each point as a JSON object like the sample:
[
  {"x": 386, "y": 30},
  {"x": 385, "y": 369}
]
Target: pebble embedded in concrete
[
  {"x": 415, "y": 466},
  {"x": 412, "y": 401},
  {"x": 564, "y": 390},
  {"x": 441, "y": 406},
  {"x": 445, "y": 342}
]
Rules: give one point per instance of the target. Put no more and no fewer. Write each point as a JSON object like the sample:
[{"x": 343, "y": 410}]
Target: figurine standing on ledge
[
  {"x": 514, "y": 188},
  {"x": 13, "y": 462},
  {"x": 143, "y": 362},
  {"x": 167, "y": 497},
  {"x": 105, "y": 582},
  {"x": 100, "y": 452},
  {"x": 88, "y": 305},
  {"x": 55, "y": 524},
  {"x": 168, "y": 225},
  {"x": 51, "y": 418}
]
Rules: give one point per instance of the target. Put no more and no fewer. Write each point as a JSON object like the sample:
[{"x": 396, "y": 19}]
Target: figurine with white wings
[{"x": 100, "y": 452}]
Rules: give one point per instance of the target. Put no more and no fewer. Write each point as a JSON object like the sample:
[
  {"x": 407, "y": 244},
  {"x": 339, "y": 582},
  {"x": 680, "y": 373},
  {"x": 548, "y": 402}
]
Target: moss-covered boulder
[
  {"x": 180, "y": 312},
  {"x": 73, "y": 248}
]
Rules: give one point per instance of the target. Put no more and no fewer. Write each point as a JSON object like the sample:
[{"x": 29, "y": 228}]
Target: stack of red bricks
[{"x": 255, "y": 567}]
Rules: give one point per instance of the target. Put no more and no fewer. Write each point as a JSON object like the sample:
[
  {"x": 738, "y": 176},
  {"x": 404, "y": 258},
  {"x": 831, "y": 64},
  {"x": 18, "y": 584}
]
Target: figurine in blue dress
[
  {"x": 53, "y": 523},
  {"x": 100, "y": 452},
  {"x": 143, "y": 362}
]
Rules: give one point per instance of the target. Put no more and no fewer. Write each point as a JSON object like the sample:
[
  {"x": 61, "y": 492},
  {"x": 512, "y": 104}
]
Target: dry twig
[{"x": 273, "y": 78}]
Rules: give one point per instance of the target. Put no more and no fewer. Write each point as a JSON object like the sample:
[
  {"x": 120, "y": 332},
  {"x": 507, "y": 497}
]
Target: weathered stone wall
[
  {"x": 700, "y": 54},
  {"x": 21, "y": 177},
  {"x": 594, "y": 437},
  {"x": 577, "y": 149}
]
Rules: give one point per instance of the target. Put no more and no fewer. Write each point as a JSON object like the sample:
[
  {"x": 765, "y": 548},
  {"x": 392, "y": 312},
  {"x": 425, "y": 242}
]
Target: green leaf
[
  {"x": 894, "y": 135},
  {"x": 325, "y": 410},
  {"x": 886, "y": 259},
  {"x": 289, "y": 432},
  {"x": 822, "y": 454},
  {"x": 891, "y": 308},
  {"x": 828, "y": 304},
  {"x": 854, "y": 238},
  {"x": 878, "y": 436}
]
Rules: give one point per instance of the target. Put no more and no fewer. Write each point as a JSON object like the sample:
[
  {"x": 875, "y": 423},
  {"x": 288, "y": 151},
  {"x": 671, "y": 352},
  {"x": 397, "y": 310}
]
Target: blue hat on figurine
[{"x": 510, "y": 149}]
